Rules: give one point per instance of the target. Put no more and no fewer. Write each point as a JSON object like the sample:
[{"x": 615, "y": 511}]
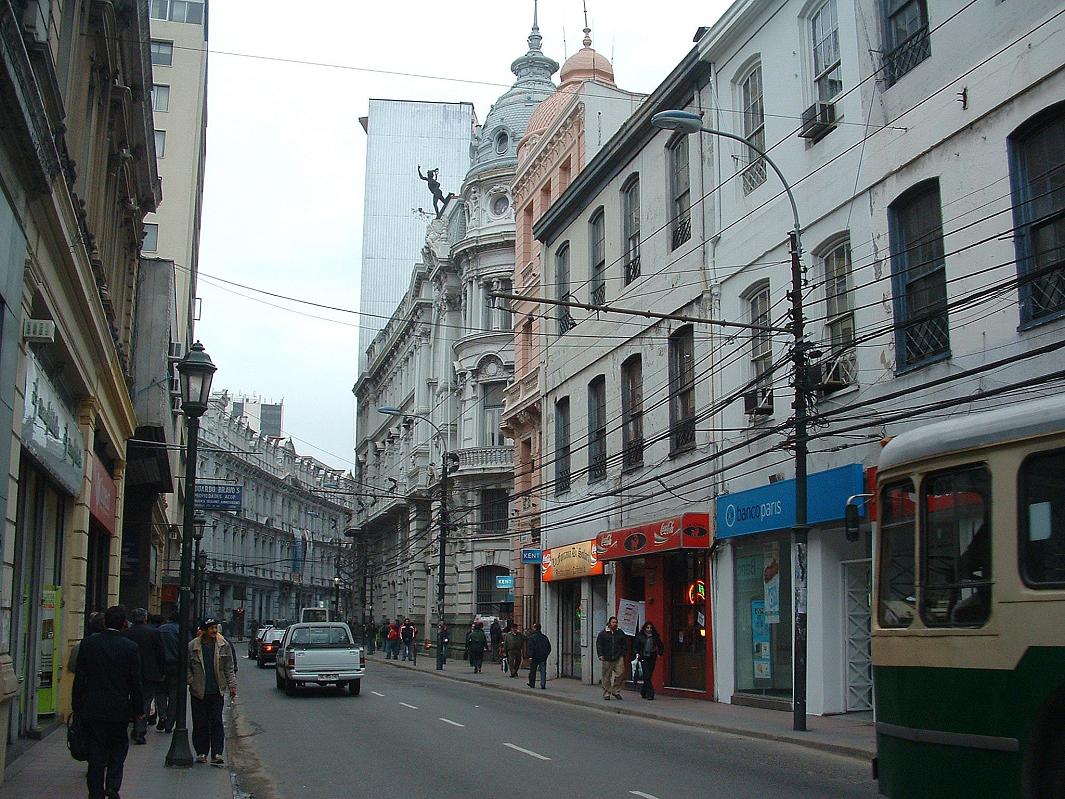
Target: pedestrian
[
  {"x": 210, "y": 678},
  {"x": 443, "y": 641},
  {"x": 150, "y": 648},
  {"x": 107, "y": 696},
  {"x": 96, "y": 625},
  {"x": 495, "y": 632},
  {"x": 478, "y": 642},
  {"x": 514, "y": 645},
  {"x": 166, "y": 705},
  {"x": 612, "y": 648},
  {"x": 538, "y": 648},
  {"x": 370, "y": 634},
  {"x": 393, "y": 642},
  {"x": 649, "y": 648},
  {"x": 155, "y": 621},
  {"x": 408, "y": 634}
]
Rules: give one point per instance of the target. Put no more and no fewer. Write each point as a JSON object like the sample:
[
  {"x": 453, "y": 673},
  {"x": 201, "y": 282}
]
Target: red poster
[{"x": 103, "y": 501}]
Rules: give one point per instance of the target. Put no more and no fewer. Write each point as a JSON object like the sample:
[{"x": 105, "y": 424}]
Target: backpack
[{"x": 392, "y": 634}]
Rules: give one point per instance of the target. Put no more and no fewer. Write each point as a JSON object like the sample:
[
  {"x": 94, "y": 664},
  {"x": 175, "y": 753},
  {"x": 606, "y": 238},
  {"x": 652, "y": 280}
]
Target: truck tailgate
[{"x": 323, "y": 660}]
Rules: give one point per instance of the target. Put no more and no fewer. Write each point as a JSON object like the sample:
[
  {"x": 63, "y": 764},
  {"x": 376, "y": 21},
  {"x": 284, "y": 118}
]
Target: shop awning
[{"x": 688, "y": 531}]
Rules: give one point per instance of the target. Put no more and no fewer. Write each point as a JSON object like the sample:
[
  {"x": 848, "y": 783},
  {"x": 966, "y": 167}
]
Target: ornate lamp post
[
  {"x": 196, "y": 372},
  {"x": 198, "y": 525}
]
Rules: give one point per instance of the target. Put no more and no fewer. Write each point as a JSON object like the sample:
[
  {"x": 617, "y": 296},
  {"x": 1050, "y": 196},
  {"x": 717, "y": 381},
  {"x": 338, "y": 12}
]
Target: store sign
[
  {"x": 772, "y": 507},
  {"x": 50, "y": 429},
  {"x": 506, "y": 581},
  {"x": 533, "y": 556},
  {"x": 690, "y": 531},
  {"x": 103, "y": 501},
  {"x": 219, "y": 496},
  {"x": 570, "y": 562}
]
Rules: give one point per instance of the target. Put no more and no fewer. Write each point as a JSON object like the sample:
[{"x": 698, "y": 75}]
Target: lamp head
[
  {"x": 198, "y": 525},
  {"x": 681, "y": 121},
  {"x": 390, "y": 411},
  {"x": 195, "y": 371}
]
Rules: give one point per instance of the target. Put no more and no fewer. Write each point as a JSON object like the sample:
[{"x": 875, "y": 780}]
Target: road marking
[
  {"x": 644, "y": 795},
  {"x": 527, "y": 752},
  {"x": 375, "y": 693},
  {"x": 449, "y": 721},
  {"x": 412, "y": 707}
]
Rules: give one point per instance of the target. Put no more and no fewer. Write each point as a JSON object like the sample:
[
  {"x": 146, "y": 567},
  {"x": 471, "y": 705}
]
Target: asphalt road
[{"x": 415, "y": 735}]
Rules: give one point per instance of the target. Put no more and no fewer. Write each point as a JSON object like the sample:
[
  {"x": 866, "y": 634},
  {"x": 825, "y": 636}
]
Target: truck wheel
[
  {"x": 290, "y": 687},
  {"x": 354, "y": 686},
  {"x": 279, "y": 681},
  {"x": 259, "y": 660}
]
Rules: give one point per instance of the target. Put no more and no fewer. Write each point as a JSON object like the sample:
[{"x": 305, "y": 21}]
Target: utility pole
[
  {"x": 442, "y": 555},
  {"x": 801, "y": 529}
]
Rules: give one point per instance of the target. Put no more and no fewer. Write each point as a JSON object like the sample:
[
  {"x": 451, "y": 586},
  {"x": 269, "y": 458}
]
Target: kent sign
[
  {"x": 535, "y": 556},
  {"x": 505, "y": 581},
  {"x": 218, "y": 496}
]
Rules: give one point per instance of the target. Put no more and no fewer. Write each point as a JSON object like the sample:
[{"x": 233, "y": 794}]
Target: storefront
[
  {"x": 755, "y": 569},
  {"x": 662, "y": 574},
  {"x": 576, "y": 591}
]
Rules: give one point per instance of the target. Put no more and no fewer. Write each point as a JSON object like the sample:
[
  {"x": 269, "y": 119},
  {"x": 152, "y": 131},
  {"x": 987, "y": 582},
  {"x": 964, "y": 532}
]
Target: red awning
[{"x": 689, "y": 531}]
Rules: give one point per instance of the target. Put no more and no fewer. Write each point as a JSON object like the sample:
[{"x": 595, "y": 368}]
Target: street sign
[
  {"x": 532, "y": 556},
  {"x": 218, "y": 496},
  {"x": 505, "y": 582}
]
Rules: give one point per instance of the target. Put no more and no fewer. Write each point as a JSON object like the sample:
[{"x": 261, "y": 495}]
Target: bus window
[
  {"x": 956, "y": 562},
  {"x": 1043, "y": 520},
  {"x": 897, "y": 534}
]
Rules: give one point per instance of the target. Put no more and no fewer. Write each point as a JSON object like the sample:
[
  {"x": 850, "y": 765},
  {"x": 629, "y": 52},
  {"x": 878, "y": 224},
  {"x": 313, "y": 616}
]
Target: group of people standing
[{"x": 393, "y": 637}]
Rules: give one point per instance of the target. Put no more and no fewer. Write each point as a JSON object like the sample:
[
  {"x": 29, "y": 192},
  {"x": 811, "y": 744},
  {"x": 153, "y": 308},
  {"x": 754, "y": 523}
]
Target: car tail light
[
  {"x": 292, "y": 660},
  {"x": 268, "y": 647}
]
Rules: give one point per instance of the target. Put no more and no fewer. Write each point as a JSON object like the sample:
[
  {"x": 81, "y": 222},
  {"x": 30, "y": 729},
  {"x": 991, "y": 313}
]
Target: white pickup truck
[{"x": 319, "y": 653}]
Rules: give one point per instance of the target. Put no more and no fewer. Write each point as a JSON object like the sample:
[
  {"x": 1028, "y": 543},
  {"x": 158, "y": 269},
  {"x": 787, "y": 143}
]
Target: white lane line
[
  {"x": 527, "y": 752},
  {"x": 412, "y": 707},
  {"x": 449, "y": 721},
  {"x": 644, "y": 795},
  {"x": 375, "y": 693}
]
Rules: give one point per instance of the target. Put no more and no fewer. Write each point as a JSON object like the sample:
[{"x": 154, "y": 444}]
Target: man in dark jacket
[
  {"x": 513, "y": 644},
  {"x": 107, "y": 695},
  {"x": 476, "y": 643},
  {"x": 407, "y": 634},
  {"x": 166, "y": 705},
  {"x": 612, "y": 649},
  {"x": 149, "y": 643},
  {"x": 538, "y": 648},
  {"x": 495, "y": 634}
]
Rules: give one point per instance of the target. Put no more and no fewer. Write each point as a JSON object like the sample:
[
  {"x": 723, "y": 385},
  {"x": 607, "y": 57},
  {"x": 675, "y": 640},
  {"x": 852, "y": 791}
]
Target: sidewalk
[
  {"x": 47, "y": 771},
  {"x": 842, "y": 735}
]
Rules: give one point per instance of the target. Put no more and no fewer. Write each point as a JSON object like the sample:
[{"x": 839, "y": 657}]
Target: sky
[{"x": 283, "y": 201}]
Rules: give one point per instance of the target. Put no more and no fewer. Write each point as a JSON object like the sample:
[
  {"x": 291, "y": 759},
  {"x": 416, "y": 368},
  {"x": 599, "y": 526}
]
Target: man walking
[
  {"x": 392, "y": 642},
  {"x": 513, "y": 644},
  {"x": 149, "y": 643},
  {"x": 210, "y": 677},
  {"x": 107, "y": 695},
  {"x": 166, "y": 703},
  {"x": 612, "y": 648},
  {"x": 495, "y": 635},
  {"x": 538, "y": 648},
  {"x": 408, "y": 634}
]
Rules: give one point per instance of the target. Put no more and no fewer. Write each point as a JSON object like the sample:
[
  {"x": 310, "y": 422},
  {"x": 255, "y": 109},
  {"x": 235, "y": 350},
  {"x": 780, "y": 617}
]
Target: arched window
[
  {"x": 597, "y": 256},
  {"x": 632, "y": 412},
  {"x": 679, "y": 191},
  {"x": 565, "y": 318},
  {"x": 681, "y": 390},
  {"x": 630, "y": 227}
]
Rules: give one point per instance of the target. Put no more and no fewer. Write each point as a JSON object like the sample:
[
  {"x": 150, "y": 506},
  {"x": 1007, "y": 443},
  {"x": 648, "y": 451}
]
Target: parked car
[
  {"x": 253, "y": 642},
  {"x": 268, "y": 645},
  {"x": 319, "y": 653}
]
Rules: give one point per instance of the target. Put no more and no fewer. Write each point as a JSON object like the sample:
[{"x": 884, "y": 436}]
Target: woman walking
[
  {"x": 649, "y": 647},
  {"x": 478, "y": 642}
]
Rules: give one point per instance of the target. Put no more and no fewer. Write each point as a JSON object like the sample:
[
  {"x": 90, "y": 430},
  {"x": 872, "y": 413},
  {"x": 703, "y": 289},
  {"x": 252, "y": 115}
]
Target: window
[
  {"x": 562, "y": 446},
  {"x": 919, "y": 277},
  {"x": 956, "y": 550},
  {"x": 761, "y": 340},
  {"x": 151, "y": 237},
  {"x": 632, "y": 412},
  {"x": 681, "y": 390},
  {"x": 178, "y": 10},
  {"x": 630, "y": 209},
  {"x": 597, "y": 239},
  {"x": 160, "y": 97},
  {"x": 160, "y": 143},
  {"x": 679, "y": 192},
  {"x": 836, "y": 264},
  {"x": 565, "y": 318},
  {"x": 828, "y": 77},
  {"x": 162, "y": 53},
  {"x": 1037, "y": 164},
  {"x": 493, "y": 415},
  {"x": 1042, "y": 522},
  {"x": 906, "y": 41},
  {"x": 597, "y": 429},
  {"x": 897, "y": 595},
  {"x": 502, "y": 142},
  {"x": 495, "y": 504},
  {"x": 753, "y": 128}
]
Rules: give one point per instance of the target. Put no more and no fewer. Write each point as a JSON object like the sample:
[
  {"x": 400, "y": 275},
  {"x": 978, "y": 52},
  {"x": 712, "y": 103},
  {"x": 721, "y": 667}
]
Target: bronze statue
[{"x": 439, "y": 200}]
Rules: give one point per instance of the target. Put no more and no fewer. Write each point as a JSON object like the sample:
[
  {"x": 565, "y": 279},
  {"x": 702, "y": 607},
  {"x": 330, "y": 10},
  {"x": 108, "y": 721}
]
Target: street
[{"x": 414, "y": 734}]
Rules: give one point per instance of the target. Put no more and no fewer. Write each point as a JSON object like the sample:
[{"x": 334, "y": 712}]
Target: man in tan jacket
[{"x": 211, "y": 676}]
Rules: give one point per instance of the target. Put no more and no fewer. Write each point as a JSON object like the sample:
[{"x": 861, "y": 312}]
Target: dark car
[
  {"x": 268, "y": 646},
  {"x": 253, "y": 642}
]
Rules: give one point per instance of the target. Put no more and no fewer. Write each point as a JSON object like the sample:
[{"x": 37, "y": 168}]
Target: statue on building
[{"x": 439, "y": 200}]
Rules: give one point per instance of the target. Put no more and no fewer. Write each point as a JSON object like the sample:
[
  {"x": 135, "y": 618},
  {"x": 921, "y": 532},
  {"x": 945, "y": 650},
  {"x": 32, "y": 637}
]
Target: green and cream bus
[{"x": 969, "y": 621}]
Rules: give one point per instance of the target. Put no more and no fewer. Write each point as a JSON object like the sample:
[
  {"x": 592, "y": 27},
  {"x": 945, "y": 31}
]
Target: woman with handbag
[{"x": 648, "y": 647}]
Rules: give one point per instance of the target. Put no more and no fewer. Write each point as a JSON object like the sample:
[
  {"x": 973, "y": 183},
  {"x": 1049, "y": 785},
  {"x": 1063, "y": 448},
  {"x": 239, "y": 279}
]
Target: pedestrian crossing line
[
  {"x": 449, "y": 721},
  {"x": 376, "y": 693},
  {"x": 528, "y": 752},
  {"x": 644, "y": 795},
  {"x": 412, "y": 707}
]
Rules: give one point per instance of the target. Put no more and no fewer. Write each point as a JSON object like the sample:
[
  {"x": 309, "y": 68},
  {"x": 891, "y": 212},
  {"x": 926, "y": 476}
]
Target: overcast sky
[{"x": 285, "y": 161}]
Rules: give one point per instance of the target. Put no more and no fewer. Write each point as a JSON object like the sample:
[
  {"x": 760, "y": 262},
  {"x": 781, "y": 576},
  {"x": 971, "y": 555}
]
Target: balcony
[
  {"x": 599, "y": 294},
  {"x": 473, "y": 460},
  {"x": 632, "y": 268},
  {"x": 909, "y": 53},
  {"x": 682, "y": 230}
]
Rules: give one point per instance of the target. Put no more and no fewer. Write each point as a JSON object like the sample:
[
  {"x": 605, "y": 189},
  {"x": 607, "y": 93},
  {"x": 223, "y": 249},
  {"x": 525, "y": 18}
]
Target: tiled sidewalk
[
  {"x": 850, "y": 735},
  {"x": 47, "y": 771}
]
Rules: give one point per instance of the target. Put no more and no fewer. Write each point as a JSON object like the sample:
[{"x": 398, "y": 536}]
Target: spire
[
  {"x": 587, "y": 31},
  {"x": 535, "y": 39}
]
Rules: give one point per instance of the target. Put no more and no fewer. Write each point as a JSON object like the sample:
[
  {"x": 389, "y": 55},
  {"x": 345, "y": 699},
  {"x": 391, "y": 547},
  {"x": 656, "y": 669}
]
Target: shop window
[
  {"x": 956, "y": 550},
  {"x": 1043, "y": 520},
  {"x": 897, "y": 594},
  {"x": 763, "y": 617}
]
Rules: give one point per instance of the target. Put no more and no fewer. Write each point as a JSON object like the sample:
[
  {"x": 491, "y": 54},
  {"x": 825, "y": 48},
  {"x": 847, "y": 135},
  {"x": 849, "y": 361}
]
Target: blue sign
[
  {"x": 532, "y": 556},
  {"x": 505, "y": 582},
  {"x": 772, "y": 507},
  {"x": 218, "y": 496}
]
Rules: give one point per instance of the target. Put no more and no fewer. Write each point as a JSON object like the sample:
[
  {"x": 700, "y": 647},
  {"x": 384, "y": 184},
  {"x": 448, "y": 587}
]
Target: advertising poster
[
  {"x": 761, "y": 651},
  {"x": 48, "y": 677},
  {"x": 771, "y": 581},
  {"x": 629, "y": 616}
]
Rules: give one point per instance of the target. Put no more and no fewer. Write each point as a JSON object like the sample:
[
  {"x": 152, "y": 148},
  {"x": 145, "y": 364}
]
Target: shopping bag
[
  {"x": 637, "y": 670},
  {"x": 503, "y": 664}
]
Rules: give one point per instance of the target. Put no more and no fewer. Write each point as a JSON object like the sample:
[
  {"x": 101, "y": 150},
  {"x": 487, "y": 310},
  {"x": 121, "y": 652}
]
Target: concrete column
[{"x": 114, "y": 567}]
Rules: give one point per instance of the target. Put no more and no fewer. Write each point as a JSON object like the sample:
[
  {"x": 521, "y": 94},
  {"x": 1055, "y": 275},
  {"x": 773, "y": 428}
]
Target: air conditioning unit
[
  {"x": 758, "y": 402},
  {"x": 175, "y": 387},
  {"x": 38, "y": 331},
  {"x": 175, "y": 403},
  {"x": 176, "y": 351},
  {"x": 829, "y": 375},
  {"x": 817, "y": 120}
]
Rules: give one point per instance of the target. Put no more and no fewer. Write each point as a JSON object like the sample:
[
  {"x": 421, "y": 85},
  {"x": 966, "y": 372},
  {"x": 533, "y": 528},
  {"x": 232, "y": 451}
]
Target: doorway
[
  {"x": 857, "y": 585},
  {"x": 571, "y": 618},
  {"x": 687, "y": 627}
]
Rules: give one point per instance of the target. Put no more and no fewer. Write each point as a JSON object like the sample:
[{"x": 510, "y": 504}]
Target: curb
[{"x": 843, "y": 750}]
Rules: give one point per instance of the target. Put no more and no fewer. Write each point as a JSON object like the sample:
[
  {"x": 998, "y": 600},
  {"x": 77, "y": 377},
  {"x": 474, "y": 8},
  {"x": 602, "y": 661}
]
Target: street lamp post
[
  {"x": 336, "y": 592},
  {"x": 686, "y": 123},
  {"x": 201, "y": 597},
  {"x": 196, "y": 372},
  {"x": 198, "y": 524},
  {"x": 446, "y": 465}
]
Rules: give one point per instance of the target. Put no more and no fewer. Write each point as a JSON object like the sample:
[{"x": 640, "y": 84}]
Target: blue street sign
[
  {"x": 505, "y": 582},
  {"x": 532, "y": 556},
  {"x": 218, "y": 496}
]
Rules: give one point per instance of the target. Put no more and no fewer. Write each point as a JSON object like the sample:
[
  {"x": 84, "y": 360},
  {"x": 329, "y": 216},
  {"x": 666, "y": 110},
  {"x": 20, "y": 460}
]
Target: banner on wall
[
  {"x": 50, "y": 429},
  {"x": 771, "y": 582},
  {"x": 760, "y": 642},
  {"x": 570, "y": 562},
  {"x": 688, "y": 531},
  {"x": 630, "y": 613}
]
